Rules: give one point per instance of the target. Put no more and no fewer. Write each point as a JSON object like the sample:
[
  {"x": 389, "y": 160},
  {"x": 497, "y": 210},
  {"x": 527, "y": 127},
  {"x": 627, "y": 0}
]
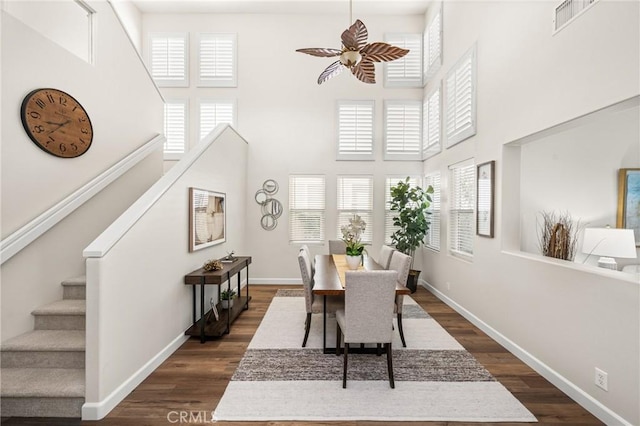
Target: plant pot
[
  {"x": 226, "y": 304},
  {"x": 412, "y": 280},
  {"x": 353, "y": 262}
]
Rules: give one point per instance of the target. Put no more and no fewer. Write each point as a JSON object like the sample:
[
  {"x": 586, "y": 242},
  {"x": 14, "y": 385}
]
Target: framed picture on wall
[
  {"x": 629, "y": 201},
  {"x": 207, "y": 218},
  {"x": 484, "y": 199}
]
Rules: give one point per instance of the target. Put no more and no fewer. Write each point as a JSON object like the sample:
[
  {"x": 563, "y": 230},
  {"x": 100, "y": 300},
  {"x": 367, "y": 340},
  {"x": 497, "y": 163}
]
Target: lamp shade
[{"x": 611, "y": 242}]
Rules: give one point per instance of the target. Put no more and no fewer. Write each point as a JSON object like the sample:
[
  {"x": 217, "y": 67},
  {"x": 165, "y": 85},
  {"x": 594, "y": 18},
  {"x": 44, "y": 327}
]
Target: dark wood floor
[{"x": 194, "y": 378}]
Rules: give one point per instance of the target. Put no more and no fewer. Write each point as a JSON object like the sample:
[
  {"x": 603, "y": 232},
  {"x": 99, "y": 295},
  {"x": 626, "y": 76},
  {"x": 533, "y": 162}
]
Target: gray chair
[
  {"x": 311, "y": 259},
  {"x": 401, "y": 263},
  {"x": 314, "y": 305},
  {"x": 337, "y": 247},
  {"x": 385, "y": 256},
  {"x": 367, "y": 314}
]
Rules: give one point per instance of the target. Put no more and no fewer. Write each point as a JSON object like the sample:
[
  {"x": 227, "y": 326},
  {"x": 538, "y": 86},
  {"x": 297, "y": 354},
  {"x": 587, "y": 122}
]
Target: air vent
[{"x": 568, "y": 10}]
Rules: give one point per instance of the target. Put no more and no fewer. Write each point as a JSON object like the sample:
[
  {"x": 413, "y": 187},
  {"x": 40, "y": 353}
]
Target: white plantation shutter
[
  {"x": 168, "y": 59},
  {"x": 389, "y": 228},
  {"x": 217, "y": 57},
  {"x": 355, "y": 130},
  {"x": 460, "y": 99},
  {"x": 461, "y": 209},
  {"x": 406, "y": 71},
  {"x": 306, "y": 208},
  {"x": 432, "y": 239},
  {"x": 431, "y": 128},
  {"x": 175, "y": 123},
  {"x": 402, "y": 129},
  {"x": 214, "y": 112},
  {"x": 432, "y": 48},
  {"x": 355, "y": 196}
]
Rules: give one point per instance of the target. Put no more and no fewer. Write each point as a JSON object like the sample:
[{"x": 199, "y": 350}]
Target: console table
[{"x": 218, "y": 278}]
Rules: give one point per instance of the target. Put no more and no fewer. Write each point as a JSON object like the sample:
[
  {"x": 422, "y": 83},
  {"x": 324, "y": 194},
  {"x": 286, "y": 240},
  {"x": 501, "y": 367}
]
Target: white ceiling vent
[{"x": 568, "y": 10}]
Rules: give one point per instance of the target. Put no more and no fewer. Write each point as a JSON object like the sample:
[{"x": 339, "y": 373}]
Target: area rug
[{"x": 436, "y": 379}]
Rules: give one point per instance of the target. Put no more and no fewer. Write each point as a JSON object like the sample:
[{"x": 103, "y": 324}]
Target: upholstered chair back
[
  {"x": 307, "y": 278},
  {"x": 401, "y": 263},
  {"x": 337, "y": 247},
  {"x": 385, "y": 256},
  {"x": 311, "y": 260}
]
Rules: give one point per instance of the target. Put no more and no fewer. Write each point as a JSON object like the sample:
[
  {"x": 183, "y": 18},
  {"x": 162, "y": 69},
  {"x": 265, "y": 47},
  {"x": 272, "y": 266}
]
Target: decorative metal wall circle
[{"x": 271, "y": 208}]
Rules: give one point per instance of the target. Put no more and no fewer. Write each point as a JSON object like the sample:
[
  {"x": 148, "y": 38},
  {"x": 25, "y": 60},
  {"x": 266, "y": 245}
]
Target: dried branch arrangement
[{"x": 558, "y": 235}]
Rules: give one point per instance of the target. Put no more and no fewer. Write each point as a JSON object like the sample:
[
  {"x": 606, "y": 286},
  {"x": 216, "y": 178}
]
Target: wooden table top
[
  {"x": 327, "y": 281},
  {"x": 200, "y": 276}
]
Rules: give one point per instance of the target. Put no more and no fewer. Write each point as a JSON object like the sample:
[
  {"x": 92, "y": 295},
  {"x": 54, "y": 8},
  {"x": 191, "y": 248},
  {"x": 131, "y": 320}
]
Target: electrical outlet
[{"x": 602, "y": 380}]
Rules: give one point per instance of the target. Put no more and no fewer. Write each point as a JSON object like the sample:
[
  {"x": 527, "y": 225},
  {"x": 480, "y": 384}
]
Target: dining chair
[
  {"x": 314, "y": 305},
  {"x": 385, "y": 256},
  {"x": 311, "y": 259},
  {"x": 401, "y": 263},
  {"x": 367, "y": 314},
  {"x": 337, "y": 247}
]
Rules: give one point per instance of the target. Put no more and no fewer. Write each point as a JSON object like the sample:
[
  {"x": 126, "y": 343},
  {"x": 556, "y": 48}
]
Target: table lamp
[{"x": 609, "y": 243}]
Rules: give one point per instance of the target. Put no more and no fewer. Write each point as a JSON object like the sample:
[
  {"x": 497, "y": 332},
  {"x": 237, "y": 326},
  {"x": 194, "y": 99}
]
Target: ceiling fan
[{"x": 356, "y": 54}]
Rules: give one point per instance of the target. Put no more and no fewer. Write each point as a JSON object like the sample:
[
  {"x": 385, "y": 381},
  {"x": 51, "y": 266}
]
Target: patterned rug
[{"x": 436, "y": 378}]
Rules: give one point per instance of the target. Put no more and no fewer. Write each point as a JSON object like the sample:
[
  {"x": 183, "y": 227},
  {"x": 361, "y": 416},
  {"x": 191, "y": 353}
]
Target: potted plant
[
  {"x": 351, "y": 235},
  {"x": 226, "y": 297},
  {"x": 410, "y": 204}
]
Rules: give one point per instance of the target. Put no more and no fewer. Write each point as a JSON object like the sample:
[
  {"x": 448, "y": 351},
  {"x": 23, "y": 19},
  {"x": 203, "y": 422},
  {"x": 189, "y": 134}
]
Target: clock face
[{"x": 56, "y": 122}]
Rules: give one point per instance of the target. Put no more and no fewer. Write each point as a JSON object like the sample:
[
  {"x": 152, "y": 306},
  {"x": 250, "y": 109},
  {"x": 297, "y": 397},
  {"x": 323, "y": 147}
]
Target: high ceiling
[{"x": 364, "y": 7}]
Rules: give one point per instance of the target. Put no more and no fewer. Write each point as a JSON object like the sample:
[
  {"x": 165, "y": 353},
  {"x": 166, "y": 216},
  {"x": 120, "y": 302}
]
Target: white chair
[
  {"x": 337, "y": 247},
  {"x": 401, "y": 263},
  {"x": 385, "y": 256},
  {"x": 367, "y": 314},
  {"x": 311, "y": 259},
  {"x": 314, "y": 305}
]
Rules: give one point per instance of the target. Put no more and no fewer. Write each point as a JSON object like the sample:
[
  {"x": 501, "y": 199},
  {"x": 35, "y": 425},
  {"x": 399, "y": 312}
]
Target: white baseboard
[
  {"x": 275, "y": 281},
  {"x": 97, "y": 410},
  {"x": 588, "y": 402}
]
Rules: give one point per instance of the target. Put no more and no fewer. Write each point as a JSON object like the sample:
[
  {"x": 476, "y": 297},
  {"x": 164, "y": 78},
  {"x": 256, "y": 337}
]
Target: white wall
[
  {"x": 563, "y": 318},
  {"x": 131, "y": 19}
]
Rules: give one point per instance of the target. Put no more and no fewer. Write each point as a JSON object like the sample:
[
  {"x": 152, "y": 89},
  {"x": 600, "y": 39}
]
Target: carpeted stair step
[
  {"x": 61, "y": 315},
  {"x": 45, "y": 349},
  {"x": 74, "y": 288},
  {"x": 42, "y": 392}
]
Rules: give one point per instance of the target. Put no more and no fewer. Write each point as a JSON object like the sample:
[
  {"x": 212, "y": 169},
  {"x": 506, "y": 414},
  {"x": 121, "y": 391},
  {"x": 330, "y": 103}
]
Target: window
[
  {"x": 460, "y": 99},
  {"x": 389, "y": 228},
  {"x": 175, "y": 128},
  {"x": 217, "y": 60},
  {"x": 402, "y": 130},
  {"x": 168, "y": 58},
  {"x": 432, "y": 239},
  {"x": 306, "y": 208},
  {"x": 355, "y": 196},
  {"x": 355, "y": 130},
  {"x": 461, "y": 209},
  {"x": 432, "y": 43},
  {"x": 406, "y": 71},
  {"x": 214, "y": 112},
  {"x": 431, "y": 125}
]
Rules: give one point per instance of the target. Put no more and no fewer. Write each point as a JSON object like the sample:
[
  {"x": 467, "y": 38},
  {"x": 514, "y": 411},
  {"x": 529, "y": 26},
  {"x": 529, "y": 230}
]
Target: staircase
[{"x": 43, "y": 370}]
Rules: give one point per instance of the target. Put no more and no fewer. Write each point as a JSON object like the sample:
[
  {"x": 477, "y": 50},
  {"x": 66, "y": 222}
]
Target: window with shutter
[
  {"x": 355, "y": 130},
  {"x": 432, "y": 48},
  {"x": 355, "y": 196},
  {"x": 431, "y": 125},
  {"x": 175, "y": 128},
  {"x": 406, "y": 71},
  {"x": 432, "y": 239},
  {"x": 402, "y": 129},
  {"x": 460, "y": 99},
  {"x": 390, "y": 181},
  {"x": 461, "y": 208},
  {"x": 306, "y": 208},
  {"x": 217, "y": 60},
  {"x": 214, "y": 112},
  {"x": 168, "y": 59}
]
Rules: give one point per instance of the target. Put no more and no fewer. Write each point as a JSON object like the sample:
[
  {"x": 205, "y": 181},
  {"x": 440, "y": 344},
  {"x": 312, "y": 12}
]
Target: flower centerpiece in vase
[{"x": 351, "y": 235}]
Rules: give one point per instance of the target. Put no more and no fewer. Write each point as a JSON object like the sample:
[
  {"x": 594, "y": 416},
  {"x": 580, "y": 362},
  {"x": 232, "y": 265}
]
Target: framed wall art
[
  {"x": 629, "y": 201},
  {"x": 484, "y": 200},
  {"x": 207, "y": 218}
]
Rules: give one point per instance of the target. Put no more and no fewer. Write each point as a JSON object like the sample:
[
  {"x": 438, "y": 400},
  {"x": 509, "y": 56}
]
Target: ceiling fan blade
[
  {"x": 365, "y": 71},
  {"x": 331, "y": 71},
  {"x": 382, "y": 52},
  {"x": 349, "y": 39},
  {"x": 324, "y": 52},
  {"x": 360, "y": 32}
]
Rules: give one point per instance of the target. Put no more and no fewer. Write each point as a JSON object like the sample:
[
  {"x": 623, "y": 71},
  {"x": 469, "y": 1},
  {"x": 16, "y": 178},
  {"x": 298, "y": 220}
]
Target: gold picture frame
[{"x": 629, "y": 201}]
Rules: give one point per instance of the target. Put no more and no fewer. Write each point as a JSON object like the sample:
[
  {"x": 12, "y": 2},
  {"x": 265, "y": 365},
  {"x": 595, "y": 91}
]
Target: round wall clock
[{"x": 56, "y": 122}]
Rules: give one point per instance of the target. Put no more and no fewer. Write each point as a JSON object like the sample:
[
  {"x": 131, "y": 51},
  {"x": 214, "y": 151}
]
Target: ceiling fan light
[{"x": 350, "y": 58}]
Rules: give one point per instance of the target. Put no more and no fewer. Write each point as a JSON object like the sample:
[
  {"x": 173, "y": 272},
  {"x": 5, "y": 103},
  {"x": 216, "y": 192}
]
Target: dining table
[{"x": 328, "y": 282}]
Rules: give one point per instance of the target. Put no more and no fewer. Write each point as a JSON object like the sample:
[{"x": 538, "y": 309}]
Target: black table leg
[
  {"x": 193, "y": 287},
  {"x": 201, "y": 313},
  {"x": 229, "y": 306},
  {"x": 247, "y": 305},
  {"x": 324, "y": 324}
]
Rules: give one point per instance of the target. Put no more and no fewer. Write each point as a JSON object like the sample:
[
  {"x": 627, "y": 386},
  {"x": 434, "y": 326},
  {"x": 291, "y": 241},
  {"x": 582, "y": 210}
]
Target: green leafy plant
[
  {"x": 352, "y": 234},
  {"x": 410, "y": 204},
  {"x": 227, "y": 295}
]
